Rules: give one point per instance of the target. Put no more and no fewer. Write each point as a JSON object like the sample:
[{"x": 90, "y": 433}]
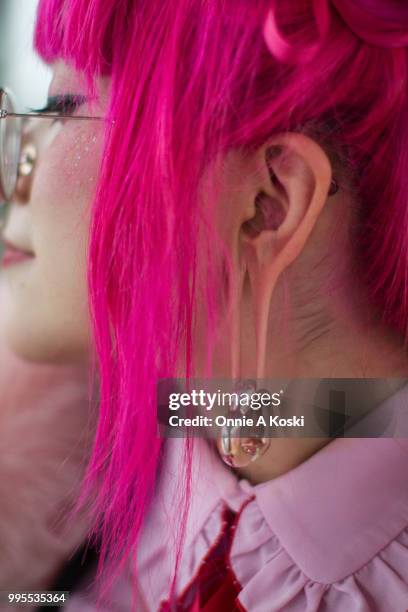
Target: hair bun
[{"x": 383, "y": 23}]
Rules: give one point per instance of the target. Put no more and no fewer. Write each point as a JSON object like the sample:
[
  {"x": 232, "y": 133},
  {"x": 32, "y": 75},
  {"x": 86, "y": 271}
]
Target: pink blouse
[{"x": 330, "y": 535}]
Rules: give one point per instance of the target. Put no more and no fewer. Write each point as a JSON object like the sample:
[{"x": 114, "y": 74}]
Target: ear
[
  {"x": 289, "y": 191},
  {"x": 291, "y": 185}
]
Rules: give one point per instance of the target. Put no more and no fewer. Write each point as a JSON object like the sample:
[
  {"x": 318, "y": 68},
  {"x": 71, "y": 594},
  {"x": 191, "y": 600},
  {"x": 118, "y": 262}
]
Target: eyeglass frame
[{"x": 5, "y": 113}]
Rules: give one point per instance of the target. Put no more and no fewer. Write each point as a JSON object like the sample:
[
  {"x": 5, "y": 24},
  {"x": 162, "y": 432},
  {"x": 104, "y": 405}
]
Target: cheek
[
  {"x": 62, "y": 192},
  {"x": 64, "y": 184},
  {"x": 53, "y": 291}
]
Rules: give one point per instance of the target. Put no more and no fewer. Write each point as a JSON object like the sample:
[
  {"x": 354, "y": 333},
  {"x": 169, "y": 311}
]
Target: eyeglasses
[{"x": 12, "y": 162}]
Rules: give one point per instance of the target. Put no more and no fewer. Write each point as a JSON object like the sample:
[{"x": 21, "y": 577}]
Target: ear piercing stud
[{"x": 334, "y": 187}]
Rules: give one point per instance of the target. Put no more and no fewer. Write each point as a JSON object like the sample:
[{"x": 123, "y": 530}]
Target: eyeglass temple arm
[{"x": 4, "y": 113}]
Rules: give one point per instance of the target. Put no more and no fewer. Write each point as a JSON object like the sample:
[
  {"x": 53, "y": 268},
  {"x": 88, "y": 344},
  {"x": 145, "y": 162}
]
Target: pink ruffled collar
[
  {"x": 324, "y": 520},
  {"x": 330, "y": 534}
]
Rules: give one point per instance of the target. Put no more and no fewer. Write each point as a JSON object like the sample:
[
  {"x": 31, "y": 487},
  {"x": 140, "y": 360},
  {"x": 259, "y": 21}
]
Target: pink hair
[{"x": 192, "y": 80}]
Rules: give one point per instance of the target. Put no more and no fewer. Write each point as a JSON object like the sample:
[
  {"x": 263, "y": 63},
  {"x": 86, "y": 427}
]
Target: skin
[
  {"x": 45, "y": 314},
  {"x": 332, "y": 333}
]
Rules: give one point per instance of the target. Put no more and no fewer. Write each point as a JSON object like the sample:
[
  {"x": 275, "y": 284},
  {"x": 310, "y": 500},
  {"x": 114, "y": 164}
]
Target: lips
[{"x": 13, "y": 254}]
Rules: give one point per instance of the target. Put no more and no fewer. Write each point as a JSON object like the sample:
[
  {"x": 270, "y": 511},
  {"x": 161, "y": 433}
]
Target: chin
[
  {"x": 36, "y": 347},
  {"x": 39, "y": 336}
]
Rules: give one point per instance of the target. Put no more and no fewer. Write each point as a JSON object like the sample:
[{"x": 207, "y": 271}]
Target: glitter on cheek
[
  {"x": 84, "y": 148},
  {"x": 72, "y": 158}
]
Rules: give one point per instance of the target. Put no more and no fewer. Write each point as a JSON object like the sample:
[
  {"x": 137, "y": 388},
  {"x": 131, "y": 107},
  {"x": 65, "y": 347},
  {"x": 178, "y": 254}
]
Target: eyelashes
[{"x": 63, "y": 105}]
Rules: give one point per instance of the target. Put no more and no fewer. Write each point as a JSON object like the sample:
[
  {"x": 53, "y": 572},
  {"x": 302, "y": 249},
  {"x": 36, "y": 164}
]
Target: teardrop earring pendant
[
  {"x": 239, "y": 452},
  {"x": 236, "y": 448}
]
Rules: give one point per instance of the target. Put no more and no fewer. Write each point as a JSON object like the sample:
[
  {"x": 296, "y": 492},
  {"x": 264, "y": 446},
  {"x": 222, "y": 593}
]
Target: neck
[{"x": 337, "y": 352}]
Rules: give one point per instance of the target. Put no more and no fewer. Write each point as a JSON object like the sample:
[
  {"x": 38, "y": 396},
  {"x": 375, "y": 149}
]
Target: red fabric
[{"x": 214, "y": 588}]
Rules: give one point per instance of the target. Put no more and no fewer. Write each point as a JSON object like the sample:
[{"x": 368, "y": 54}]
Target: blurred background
[{"x": 20, "y": 68}]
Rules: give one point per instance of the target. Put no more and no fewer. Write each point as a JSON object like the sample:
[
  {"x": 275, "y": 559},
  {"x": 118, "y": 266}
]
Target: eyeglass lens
[{"x": 10, "y": 144}]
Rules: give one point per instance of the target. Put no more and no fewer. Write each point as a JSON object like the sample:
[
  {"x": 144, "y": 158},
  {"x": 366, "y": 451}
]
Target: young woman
[{"x": 222, "y": 193}]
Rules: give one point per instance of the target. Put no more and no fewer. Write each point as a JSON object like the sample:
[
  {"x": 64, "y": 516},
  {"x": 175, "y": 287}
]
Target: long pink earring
[{"x": 235, "y": 448}]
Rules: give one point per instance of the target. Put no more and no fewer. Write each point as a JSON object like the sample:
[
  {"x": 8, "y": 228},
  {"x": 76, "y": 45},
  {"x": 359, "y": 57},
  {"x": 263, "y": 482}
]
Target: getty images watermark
[
  {"x": 246, "y": 409},
  {"x": 203, "y": 407},
  {"x": 325, "y": 407}
]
